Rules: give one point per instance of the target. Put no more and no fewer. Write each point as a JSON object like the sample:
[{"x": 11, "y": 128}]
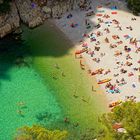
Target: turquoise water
[
  {"x": 30, "y": 95},
  {"x": 23, "y": 90}
]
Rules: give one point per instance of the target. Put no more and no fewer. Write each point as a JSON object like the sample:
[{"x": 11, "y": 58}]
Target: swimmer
[
  {"x": 20, "y": 113},
  {"x": 21, "y": 103},
  {"x": 66, "y": 120},
  {"x": 93, "y": 89},
  {"x": 84, "y": 100},
  {"x": 62, "y": 73},
  {"x": 56, "y": 66},
  {"x": 76, "y": 124},
  {"x": 75, "y": 96}
]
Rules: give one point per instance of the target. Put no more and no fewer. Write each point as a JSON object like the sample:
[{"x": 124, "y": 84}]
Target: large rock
[
  {"x": 9, "y": 21},
  {"x": 32, "y": 16}
]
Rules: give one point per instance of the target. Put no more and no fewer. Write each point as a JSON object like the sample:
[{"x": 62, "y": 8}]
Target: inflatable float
[{"x": 104, "y": 81}]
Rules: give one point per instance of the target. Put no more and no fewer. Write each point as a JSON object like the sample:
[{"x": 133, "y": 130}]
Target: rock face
[
  {"x": 9, "y": 22},
  {"x": 30, "y": 15},
  {"x": 21, "y": 10}
]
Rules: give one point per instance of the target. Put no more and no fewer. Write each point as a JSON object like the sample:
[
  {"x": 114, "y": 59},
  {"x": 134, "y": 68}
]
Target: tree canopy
[
  {"x": 39, "y": 133},
  {"x": 134, "y": 5},
  {"x": 125, "y": 116}
]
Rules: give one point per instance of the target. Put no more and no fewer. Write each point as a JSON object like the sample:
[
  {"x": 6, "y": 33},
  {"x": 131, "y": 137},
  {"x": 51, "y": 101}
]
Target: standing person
[{"x": 86, "y": 21}]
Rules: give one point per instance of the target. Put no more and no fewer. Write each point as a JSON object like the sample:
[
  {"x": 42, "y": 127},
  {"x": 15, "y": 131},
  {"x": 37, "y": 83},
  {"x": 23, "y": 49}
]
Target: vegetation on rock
[
  {"x": 123, "y": 122},
  {"x": 134, "y": 5},
  {"x": 39, "y": 133}
]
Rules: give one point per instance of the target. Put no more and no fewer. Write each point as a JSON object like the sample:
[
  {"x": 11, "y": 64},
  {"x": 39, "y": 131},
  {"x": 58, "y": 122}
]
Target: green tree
[
  {"x": 5, "y": 6},
  {"x": 134, "y": 5},
  {"x": 127, "y": 114},
  {"x": 39, "y": 133}
]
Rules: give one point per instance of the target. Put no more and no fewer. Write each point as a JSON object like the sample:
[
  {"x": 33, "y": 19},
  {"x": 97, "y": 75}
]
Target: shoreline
[
  {"x": 75, "y": 47},
  {"x": 73, "y": 91},
  {"x": 87, "y": 66},
  {"x": 75, "y": 34}
]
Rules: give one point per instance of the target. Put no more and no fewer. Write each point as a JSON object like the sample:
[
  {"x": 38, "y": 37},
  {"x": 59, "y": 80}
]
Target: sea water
[
  {"x": 41, "y": 94},
  {"x": 24, "y": 99}
]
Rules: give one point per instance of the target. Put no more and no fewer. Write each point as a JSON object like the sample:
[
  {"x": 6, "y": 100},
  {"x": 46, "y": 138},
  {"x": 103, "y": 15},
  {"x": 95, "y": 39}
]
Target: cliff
[
  {"x": 30, "y": 15},
  {"x": 21, "y": 10},
  {"x": 9, "y": 21}
]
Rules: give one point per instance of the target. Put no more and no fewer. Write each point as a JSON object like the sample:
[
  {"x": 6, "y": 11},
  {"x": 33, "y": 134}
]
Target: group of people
[{"x": 122, "y": 66}]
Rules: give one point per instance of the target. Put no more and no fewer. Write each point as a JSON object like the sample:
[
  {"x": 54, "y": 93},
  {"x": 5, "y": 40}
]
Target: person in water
[
  {"x": 20, "y": 113},
  {"x": 56, "y": 66},
  {"x": 21, "y": 103}
]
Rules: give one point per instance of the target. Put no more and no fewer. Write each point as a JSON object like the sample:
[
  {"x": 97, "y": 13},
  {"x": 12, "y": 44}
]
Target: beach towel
[
  {"x": 127, "y": 36},
  {"x": 88, "y": 27},
  {"x": 99, "y": 6},
  {"x": 108, "y": 22},
  {"x": 99, "y": 15},
  {"x": 113, "y": 13}
]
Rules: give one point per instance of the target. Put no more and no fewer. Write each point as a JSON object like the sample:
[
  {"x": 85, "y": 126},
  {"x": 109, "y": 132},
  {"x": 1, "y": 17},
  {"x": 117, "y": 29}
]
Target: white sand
[{"x": 109, "y": 60}]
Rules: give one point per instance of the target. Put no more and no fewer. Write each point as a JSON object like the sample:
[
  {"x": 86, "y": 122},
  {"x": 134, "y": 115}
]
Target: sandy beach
[{"x": 108, "y": 40}]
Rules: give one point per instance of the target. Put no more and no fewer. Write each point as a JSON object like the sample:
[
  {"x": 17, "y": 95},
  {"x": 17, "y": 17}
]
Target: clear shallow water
[
  {"x": 48, "y": 100},
  {"x": 50, "y": 47},
  {"x": 25, "y": 85}
]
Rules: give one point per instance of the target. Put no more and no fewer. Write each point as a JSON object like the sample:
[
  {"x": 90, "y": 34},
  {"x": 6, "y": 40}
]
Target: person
[
  {"x": 20, "y": 112},
  {"x": 56, "y": 66},
  {"x": 98, "y": 43},
  {"x": 107, "y": 30},
  {"x": 106, "y": 40},
  {"x": 66, "y": 120},
  {"x": 133, "y": 85},
  {"x": 117, "y": 81},
  {"x": 69, "y": 15},
  {"x": 21, "y": 103},
  {"x": 86, "y": 22},
  {"x": 62, "y": 73},
  {"x": 133, "y": 19},
  {"x": 72, "y": 25}
]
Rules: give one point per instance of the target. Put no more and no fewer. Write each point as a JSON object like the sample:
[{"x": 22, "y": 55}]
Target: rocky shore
[
  {"x": 32, "y": 13},
  {"x": 21, "y": 11}
]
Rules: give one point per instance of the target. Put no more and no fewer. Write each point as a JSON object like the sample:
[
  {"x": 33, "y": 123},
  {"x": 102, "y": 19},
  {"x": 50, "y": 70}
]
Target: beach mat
[
  {"x": 101, "y": 11},
  {"x": 99, "y": 15},
  {"x": 99, "y": 6},
  {"x": 114, "y": 13}
]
